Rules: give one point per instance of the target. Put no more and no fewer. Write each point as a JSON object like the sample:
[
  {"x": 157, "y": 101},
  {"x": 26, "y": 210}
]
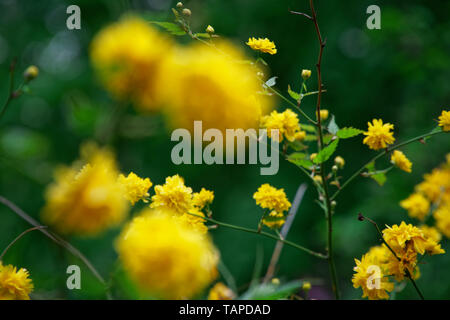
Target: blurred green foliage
[{"x": 399, "y": 73}]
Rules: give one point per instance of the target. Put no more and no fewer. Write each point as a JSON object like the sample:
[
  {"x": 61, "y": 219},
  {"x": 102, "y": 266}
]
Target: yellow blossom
[
  {"x": 442, "y": 217},
  {"x": 397, "y": 236},
  {"x": 208, "y": 84},
  {"x": 202, "y": 198},
  {"x": 129, "y": 56},
  {"x": 268, "y": 197},
  {"x": 135, "y": 188},
  {"x": 417, "y": 205},
  {"x": 433, "y": 237},
  {"x": 263, "y": 45},
  {"x": 173, "y": 195},
  {"x": 86, "y": 198},
  {"x": 318, "y": 179},
  {"x": 30, "y": 73},
  {"x": 379, "y": 135},
  {"x": 306, "y": 286},
  {"x": 221, "y": 292},
  {"x": 165, "y": 257},
  {"x": 286, "y": 123},
  {"x": 444, "y": 120},
  {"x": 399, "y": 159},
  {"x": 435, "y": 184},
  {"x": 339, "y": 161},
  {"x": 274, "y": 220},
  {"x": 324, "y": 113},
  {"x": 14, "y": 284}
]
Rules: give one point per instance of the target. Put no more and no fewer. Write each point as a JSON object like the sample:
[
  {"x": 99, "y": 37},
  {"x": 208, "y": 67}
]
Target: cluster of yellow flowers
[
  {"x": 275, "y": 200},
  {"x": 195, "y": 82},
  {"x": 432, "y": 194},
  {"x": 286, "y": 123},
  {"x": 406, "y": 241},
  {"x": 14, "y": 284}
]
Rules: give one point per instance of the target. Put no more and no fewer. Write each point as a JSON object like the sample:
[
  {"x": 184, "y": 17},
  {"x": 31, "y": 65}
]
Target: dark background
[{"x": 399, "y": 73}]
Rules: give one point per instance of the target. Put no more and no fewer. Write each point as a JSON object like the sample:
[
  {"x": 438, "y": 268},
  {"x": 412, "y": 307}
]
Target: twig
[{"x": 18, "y": 238}]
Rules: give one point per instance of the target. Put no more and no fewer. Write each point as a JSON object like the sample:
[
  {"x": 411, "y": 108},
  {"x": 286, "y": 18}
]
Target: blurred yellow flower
[
  {"x": 221, "y": 292},
  {"x": 417, "y": 205},
  {"x": 286, "y": 123},
  {"x": 165, "y": 257},
  {"x": 128, "y": 56},
  {"x": 379, "y": 135},
  {"x": 444, "y": 120},
  {"x": 399, "y": 159},
  {"x": 268, "y": 197},
  {"x": 442, "y": 217},
  {"x": 14, "y": 284},
  {"x": 173, "y": 195},
  {"x": 263, "y": 45},
  {"x": 89, "y": 200},
  {"x": 274, "y": 220},
  {"x": 339, "y": 161},
  {"x": 213, "y": 85},
  {"x": 433, "y": 237},
  {"x": 436, "y": 184},
  {"x": 324, "y": 113},
  {"x": 135, "y": 188}
]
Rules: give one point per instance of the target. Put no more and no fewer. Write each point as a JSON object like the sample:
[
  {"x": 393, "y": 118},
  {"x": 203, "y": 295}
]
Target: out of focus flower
[
  {"x": 399, "y": 159},
  {"x": 339, "y": 161},
  {"x": 129, "y": 56},
  {"x": 14, "y": 284},
  {"x": 444, "y": 120},
  {"x": 86, "y": 198},
  {"x": 417, "y": 205},
  {"x": 135, "y": 188},
  {"x": 379, "y": 135},
  {"x": 221, "y": 292},
  {"x": 263, "y": 45},
  {"x": 324, "y": 113},
  {"x": 165, "y": 257},
  {"x": 285, "y": 122},
  {"x": 442, "y": 217},
  {"x": 435, "y": 184},
  {"x": 30, "y": 73}
]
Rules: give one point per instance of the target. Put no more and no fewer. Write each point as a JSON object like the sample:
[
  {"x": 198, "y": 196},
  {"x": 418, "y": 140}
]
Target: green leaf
[
  {"x": 294, "y": 95},
  {"x": 436, "y": 129},
  {"x": 202, "y": 35},
  {"x": 300, "y": 159},
  {"x": 348, "y": 132},
  {"x": 310, "y": 137},
  {"x": 271, "y": 292},
  {"x": 332, "y": 126},
  {"x": 171, "y": 27},
  {"x": 297, "y": 145},
  {"x": 308, "y": 128},
  {"x": 326, "y": 152},
  {"x": 327, "y": 138},
  {"x": 380, "y": 178}
]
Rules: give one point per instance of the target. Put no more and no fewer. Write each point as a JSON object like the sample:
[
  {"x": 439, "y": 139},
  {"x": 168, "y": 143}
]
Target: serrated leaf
[
  {"x": 332, "y": 126},
  {"x": 171, "y": 27},
  {"x": 294, "y": 95},
  {"x": 271, "y": 82},
  {"x": 348, "y": 132},
  {"x": 326, "y": 152},
  {"x": 300, "y": 159},
  {"x": 308, "y": 128}
]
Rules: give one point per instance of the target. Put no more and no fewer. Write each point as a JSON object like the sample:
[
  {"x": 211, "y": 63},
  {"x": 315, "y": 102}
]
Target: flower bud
[
  {"x": 323, "y": 114},
  {"x": 333, "y": 204},
  {"x": 275, "y": 281},
  {"x": 180, "y": 5},
  {"x": 209, "y": 29},
  {"x": 334, "y": 168},
  {"x": 306, "y": 74},
  {"x": 339, "y": 161},
  {"x": 30, "y": 73},
  {"x": 306, "y": 286},
  {"x": 318, "y": 179},
  {"x": 186, "y": 12},
  {"x": 313, "y": 156}
]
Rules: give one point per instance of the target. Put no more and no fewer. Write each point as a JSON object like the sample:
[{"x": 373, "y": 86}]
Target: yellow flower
[
  {"x": 14, "y": 284},
  {"x": 408, "y": 261},
  {"x": 213, "y": 86},
  {"x": 339, "y": 161},
  {"x": 397, "y": 236},
  {"x": 165, "y": 257},
  {"x": 379, "y": 134},
  {"x": 286, "y": 123},
  {"x": 306, "y": 286},
  {"x": 370, "y": 277},
  {"x": 318, "y": 179},
  {"x": 417, "y": 205},
  {"x": 30, "y": 73},
  {"x": 444, "y": 120},
  {"x": 274, "y": 220},
  {"x": 221, "y": 292},
  {"x": 202, "y": 198},
  {"x": 399, "y": 159},
  {"x": 135, "y": 187},
  {"x": 193, "y": 220},
  {"x": 433, "y": 237},
  {"x": 442, "y": 217},
  {"x": 323, "y": 114},
  {"x": 263, "y": 45},
  {"x": 129, "y": 56},
  {"x": 89, "y": 200},
  {"x": 435, "y": 184},
  {"x": 173, "y": 195},
  {"x": 268, "y": 197}
]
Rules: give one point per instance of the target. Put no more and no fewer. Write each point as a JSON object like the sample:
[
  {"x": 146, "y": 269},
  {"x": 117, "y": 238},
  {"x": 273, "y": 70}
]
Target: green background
[{"x": 399, "y": 73}]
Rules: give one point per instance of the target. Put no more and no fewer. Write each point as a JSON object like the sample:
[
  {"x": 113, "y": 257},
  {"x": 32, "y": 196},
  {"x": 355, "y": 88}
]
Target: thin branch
[
  {"x": 301, "y": 14},
  {"x": 18, "y": 238}
]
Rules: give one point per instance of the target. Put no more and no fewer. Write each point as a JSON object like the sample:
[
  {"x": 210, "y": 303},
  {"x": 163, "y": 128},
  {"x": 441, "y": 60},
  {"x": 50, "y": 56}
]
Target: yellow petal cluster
[
  {"x": 135, "y": 188},
  {"x": 14, "y": 284},
  {"x": 417, "y": 205},
  {"x": 399, "y": 159},
  {"x": 286, "y": 123},
  {"x": 444, "y": 120},
  {"x": 202, "y": 198},
  {"x": 263, "y": 45},
  {"x": 274, "y": 220},
  {"x": 86, "y": 198},
  {"x": 268, "y": 197},
  {"x": 165, "y": 257},
  {"x": 221, "y": 292},
  {"x": 379, "y": 135},
  {"x": 173, "y": 195},
  {"x": 129, "y": 56}
]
